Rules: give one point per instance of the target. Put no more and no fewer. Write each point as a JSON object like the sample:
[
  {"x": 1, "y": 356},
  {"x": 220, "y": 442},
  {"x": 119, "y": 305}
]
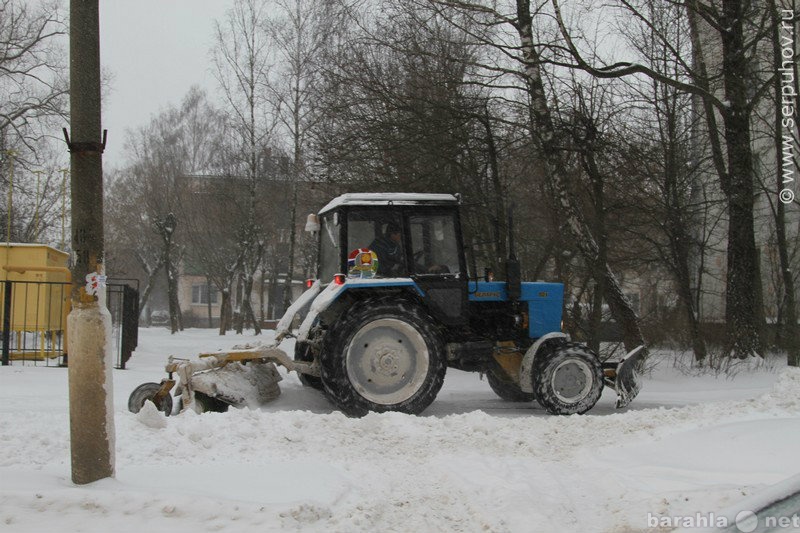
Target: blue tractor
[{"x": 393, "y": 308}]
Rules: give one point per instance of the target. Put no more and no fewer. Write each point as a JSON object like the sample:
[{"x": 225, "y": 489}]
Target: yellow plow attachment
[{"x": 245, "y": 376}]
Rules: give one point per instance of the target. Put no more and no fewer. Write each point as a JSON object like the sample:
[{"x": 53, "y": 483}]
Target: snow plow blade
[
  {"x": 624, "y": 376},
  {"x": 240, "y": 385},
  {"x": 244, "y": 376}
]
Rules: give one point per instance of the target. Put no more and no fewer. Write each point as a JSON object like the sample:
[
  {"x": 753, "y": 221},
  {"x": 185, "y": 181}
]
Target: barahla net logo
[
  {"x": 688, "y": 521},
  {"x": 745, "y": 521}
]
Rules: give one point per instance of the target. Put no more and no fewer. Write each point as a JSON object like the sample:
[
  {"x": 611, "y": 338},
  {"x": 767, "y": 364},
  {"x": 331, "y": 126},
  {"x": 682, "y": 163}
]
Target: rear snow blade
[
  {"x": 627, "y": 383},
  {"x": 245, "y": 375}
]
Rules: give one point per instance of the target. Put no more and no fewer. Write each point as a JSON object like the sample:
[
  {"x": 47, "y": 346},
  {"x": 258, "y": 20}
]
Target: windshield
[
  {"x": 329, "y": 254},
  {"x": 380, "y": 231}
]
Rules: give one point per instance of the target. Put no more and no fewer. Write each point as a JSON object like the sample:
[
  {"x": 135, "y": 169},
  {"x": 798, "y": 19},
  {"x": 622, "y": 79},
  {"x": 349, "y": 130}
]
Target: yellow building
[{"x": 39, "y": 299}]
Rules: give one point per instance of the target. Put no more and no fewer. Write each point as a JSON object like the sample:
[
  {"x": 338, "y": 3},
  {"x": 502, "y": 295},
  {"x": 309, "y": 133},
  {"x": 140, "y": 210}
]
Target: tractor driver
[{"x": 389, "y": 249}]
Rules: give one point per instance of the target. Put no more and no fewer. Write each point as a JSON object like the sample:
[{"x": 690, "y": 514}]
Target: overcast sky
[{"x": 155, "y": 50}]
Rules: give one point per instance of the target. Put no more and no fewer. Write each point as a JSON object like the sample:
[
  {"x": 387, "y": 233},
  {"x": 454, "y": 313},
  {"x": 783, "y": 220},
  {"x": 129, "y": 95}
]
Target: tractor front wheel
[
  {"x": 383, "y": 357},
  {"x": 567, "y": 380}
]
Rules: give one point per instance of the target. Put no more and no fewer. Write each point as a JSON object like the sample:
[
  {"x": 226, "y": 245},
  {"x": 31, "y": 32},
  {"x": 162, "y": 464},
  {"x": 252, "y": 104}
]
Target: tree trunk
[
  {"x": 498, "y": 203},
  {"x": 251, "y": 262},
  {"x": 238, "y": 322},
  {"x": 225, "y": 311},
  {"x": 738, "y": 186},
  {"x": 167, "y": 228},
  {"x": 740, "y": 299},
  {"x": 678, "y": 233},
  {"x": 791, "y": 331},
  {"x": 149, "y": 284},
  {"x": 248, "y": 315},
  {"x": 272, "y": 290},
  {"x": 586, "y": 146},
  {"x": 287, "y": 291},
  {"x": 684, "y": 290},
  {"x": 679, "y": 265},
  {"x": 208, "y": 302},
  {"x": 261, "y": 292},
  {"x": 172, "y": 297}
]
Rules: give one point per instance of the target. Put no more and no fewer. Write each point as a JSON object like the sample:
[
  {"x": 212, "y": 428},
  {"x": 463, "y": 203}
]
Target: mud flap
[{"x": 627, "y": 381}]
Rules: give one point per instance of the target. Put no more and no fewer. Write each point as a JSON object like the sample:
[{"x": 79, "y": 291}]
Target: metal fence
[
  {"x": 33, "y": 315},
  {"x": 122, "y": 300}
]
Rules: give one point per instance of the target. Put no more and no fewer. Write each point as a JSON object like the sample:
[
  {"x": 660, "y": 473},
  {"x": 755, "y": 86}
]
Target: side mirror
[{"x": 312, "y": 223}]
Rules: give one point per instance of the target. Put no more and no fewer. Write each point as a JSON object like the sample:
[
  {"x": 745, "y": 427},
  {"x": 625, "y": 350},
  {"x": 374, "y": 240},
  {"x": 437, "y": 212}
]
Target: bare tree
[
  {"x": 242, "y": 60},
  {"x": 154, "y": 175},
  {"x": 132, "y": 250},
  {"x": 300, "y": 32},
  {"x": 165, "y": 227},
  {"x": 399, "y": 112},
  {"x": 668, "y": 174},
  {"x": 38, "y": 194},
  {"x": 787, "y": 126},
  {"x": 32, "y": 78},
  {"x": 33, "y": 91},
  {"x": 523, "y": 61},
  {"x": 729, "y": 30},
  {"x": 146, "y": 215},
  {"x": 214, "y": 210}
]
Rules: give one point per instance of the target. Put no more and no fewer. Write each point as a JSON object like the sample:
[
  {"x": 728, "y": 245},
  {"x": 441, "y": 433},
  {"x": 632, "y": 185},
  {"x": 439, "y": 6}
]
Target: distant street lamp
[
  {"x": 36, "y": 205},
  {"x": 166, "y": 228}
]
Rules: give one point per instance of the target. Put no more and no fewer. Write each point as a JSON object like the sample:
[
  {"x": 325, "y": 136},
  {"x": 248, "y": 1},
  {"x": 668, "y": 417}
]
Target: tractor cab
[{"x": 393, "y": 237}]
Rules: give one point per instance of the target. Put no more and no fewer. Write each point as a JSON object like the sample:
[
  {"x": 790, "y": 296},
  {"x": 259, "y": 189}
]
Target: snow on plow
[
  {"x": 624, "y": 376},
  {"x": 244, "y": 376}
]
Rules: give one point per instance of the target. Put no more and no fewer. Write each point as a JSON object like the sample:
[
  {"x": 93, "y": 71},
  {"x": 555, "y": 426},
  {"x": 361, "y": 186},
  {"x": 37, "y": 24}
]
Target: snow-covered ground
[{"x": 687, "y": 447}]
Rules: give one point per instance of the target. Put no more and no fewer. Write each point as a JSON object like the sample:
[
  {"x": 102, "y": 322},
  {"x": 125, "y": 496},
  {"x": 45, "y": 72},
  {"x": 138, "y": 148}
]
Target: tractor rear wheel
[
  {"x": 567, "y": 380},
  {"x": 383, "y": 357},
  {"x": 505, "y": 388}
]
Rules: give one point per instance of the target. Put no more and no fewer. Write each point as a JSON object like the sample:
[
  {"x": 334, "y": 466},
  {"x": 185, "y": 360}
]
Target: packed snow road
[{"x": 687, "y": 446}]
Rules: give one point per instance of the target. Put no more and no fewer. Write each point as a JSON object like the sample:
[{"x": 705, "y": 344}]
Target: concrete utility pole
[{"x": 91, "y": 409}]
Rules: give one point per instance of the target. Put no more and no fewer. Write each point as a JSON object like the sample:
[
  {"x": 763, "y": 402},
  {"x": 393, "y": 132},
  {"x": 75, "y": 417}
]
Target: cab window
[
  {"x": 434, "y": 246},
  {"x": 329, "y": 253}
]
